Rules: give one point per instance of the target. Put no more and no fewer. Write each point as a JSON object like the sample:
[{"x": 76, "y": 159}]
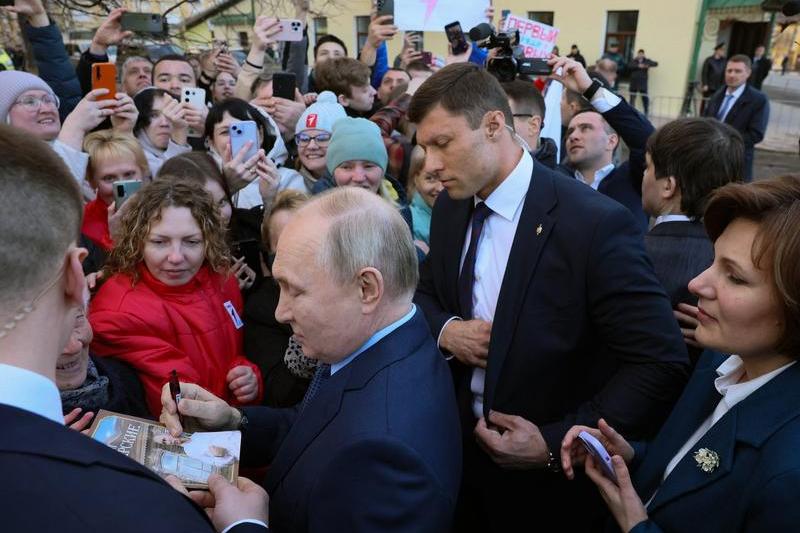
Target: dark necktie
[
  {"x": 323, "y": 372},
  {"x": 467, "y": 278}
]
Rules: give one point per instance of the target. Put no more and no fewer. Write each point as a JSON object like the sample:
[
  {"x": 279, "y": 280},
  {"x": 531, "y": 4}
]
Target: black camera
[{"x": 509, "y": 61}]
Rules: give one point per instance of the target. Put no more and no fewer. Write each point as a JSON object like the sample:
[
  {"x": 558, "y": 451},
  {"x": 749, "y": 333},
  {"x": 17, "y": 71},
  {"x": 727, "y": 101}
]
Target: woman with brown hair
[
  {"x": 725, "y": 460},
  {"x": 169, "y": 303}
]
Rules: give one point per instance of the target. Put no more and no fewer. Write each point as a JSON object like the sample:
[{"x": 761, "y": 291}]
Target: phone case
[
  {"x": 291, "y": 30},
  {"x": 104, "y": 76},
  {"x": 240, "y": 133},
  {"x": 455, "y": 35},
  {"x": 599, "y": 452},
  {"x": 124, "y": 190},
  {"x": 283, "y": 85},
  {"x": 196, "y": 97},
  {"x": 384, "y": 7},
  {"x": 142, "y": 22}
]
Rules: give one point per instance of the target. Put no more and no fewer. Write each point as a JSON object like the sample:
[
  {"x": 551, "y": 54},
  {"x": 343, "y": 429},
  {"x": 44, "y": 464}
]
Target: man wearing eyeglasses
[
  {"x": 528, "y": 110},
  {"x": 29, "y": 104}
]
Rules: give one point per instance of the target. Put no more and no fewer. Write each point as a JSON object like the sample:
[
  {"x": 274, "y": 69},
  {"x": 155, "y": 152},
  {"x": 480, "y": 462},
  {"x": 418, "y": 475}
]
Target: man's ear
[
  {"x": 370, "y": 285},
  {"x": 613, "y": 140},
  {"x": 669, "y": 187},
  {"x": 343, "y": 100},
  {"x": 535, "y": 124},
  {"x": 494, "y": 123},
  {"x": 74, "y": 281}
]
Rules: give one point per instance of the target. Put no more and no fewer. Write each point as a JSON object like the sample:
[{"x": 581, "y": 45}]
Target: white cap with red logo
[{"x": 321, "y": 114}]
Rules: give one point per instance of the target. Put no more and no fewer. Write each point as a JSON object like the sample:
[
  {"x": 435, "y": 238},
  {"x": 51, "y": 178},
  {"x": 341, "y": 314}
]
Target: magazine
[{"x": 192, "y": 457}]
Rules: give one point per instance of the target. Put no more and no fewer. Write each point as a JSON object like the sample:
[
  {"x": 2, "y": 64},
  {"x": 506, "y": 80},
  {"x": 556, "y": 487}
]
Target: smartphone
[
  {"x": 427, "y": 58},
  {"x": 418, "y": 42},
  {"x": 596, "y": 449},
  {"x": 384, "y": 7},
  {"x": 284, "y": 85},
  {"x": 291, "y": 30},
  {"x": 142, "y": 22},
  {"x": 455, "y": 35},
  {"x": 124, "y": 190},
  {"x": 536, "y": 66},
  {"x": 104, "y": 76},
  {"x": 196, "y": 97},
  {"x": 240, "y": 133}
]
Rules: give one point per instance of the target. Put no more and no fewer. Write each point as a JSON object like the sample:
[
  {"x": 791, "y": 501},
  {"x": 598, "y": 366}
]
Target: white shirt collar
[
  {"x": 507, "y": 198},
  {"x": 30, "y": 391},
  {"x": 671, "y": 218},
  {"x": 738, "y": 92},
  {"x": 730, "y": 371},
  {"x": 598, "y": 175}
]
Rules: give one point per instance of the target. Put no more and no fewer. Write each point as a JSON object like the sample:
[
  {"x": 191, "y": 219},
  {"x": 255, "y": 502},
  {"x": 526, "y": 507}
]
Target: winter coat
[{"x": 193, "y": 328}]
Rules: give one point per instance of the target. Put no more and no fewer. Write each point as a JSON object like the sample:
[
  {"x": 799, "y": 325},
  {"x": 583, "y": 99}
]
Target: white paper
[{"x": 434, "y": 15}]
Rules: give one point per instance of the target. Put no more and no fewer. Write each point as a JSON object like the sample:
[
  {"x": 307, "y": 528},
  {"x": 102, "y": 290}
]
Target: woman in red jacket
[{"x": 169, "y": 302}]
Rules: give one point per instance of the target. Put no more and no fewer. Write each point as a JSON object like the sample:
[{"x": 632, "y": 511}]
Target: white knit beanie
[
  {"x": 12, "y": 84},
  {"x": 321, "y": 114}
]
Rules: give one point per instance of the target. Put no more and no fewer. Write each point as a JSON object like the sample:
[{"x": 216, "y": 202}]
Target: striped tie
[{"x": 323, "y": 372}]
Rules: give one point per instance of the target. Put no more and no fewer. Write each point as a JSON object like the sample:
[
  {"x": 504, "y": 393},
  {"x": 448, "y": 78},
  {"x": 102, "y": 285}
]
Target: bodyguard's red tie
[{"x": 466, "y": 280}]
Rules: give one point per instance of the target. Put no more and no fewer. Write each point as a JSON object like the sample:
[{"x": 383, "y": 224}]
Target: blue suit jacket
[
  {"x": 56, "y": 480},
  {"x": 624, "y": 183},
  {"x": 755, "y": 487},
  {"x": 378, "y": 449}
]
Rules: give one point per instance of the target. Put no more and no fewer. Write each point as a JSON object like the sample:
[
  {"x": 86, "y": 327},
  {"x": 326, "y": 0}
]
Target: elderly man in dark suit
[
  {"x": 55, "y": 479},
  {"x": 592, "y": 137},
  {"x": 540, "y": 290},
  {"x": 742, "y": 106},
  {"x": 374, "y": 446}
]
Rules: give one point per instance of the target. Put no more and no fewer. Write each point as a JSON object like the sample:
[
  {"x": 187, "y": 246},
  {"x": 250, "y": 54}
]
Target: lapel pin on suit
[
  {"x": 707, "y": 460},
  {"x": 538, "y": 230}
]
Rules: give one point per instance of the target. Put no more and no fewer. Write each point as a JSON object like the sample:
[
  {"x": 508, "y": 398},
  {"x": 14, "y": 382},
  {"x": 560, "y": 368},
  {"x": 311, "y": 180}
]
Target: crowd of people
[{"x": 413, "y": 290}]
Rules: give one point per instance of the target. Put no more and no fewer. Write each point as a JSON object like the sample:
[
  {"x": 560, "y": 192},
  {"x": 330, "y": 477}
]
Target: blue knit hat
[{"x": 356, "y": 139}]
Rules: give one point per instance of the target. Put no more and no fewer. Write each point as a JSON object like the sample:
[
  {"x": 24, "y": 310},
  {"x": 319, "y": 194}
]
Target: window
[
  {"x": 621, "y": 30},
  {"x": 320, "y": 27},
  {"x": 244, "y": 40},
  {"x": 362, "y": 32},
  {"x": 545, "y": 17}
]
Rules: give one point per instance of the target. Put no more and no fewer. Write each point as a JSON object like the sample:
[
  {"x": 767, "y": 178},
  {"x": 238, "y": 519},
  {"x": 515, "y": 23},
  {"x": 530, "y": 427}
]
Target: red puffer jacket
[{"x": 157, "y": 328}]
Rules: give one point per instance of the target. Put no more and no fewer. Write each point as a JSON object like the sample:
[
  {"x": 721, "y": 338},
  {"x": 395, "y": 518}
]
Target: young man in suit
[
  {"x": 762, "y": 65},
  {"x": 687, "y": 159},
  {"x": 58, "y": 480},
  {"x": 742, "y": 106},
  {"x": 592, "y": 137},
  {"x": 374, "y": 446},
  {"x": 540, "y": 292}
]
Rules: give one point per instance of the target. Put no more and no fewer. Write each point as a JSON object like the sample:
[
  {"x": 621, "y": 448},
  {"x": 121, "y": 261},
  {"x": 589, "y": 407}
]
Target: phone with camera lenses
[
  {"x": 385, "y": 7},
  {"x": 123, "y": 190},
  {"x": 104, "y": 76},
  {"x": 142, "y": 22},
  {"x": 240, "y": 133}
]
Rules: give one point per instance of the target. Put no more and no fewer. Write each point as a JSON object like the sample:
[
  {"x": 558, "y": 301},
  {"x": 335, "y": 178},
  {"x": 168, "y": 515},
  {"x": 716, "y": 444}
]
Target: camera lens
[{"x": 120, "y": 191}]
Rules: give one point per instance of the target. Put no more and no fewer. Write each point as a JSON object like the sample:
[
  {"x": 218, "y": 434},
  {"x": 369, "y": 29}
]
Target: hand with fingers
[
  {"x": 264, "y": 31},
  {"x": 74, "y": 420},
  {"x": 512, "y": 442},
  {"x": 408, "y": 55},
  {"x": 199, "y": 409},
  {"x": 574, "y": 454},
  {"x": 109, "y": 33},
  {"x": 86, "y": 116},
  {"x": 621, "y": 497},
  {"x": 125, "y": 114},
  {"x": 243, "y": 383},
  {"x": 570, "y": 73},
  {"x": 686, "y": 315},
  {"x": 195, "y": 117},
  {"x": 268, "y": 182},
  {"x": 468, "y": 341},
  {"x": 32, "y": 9},
  {"x": 457, "y": 58},
  {"x": 244, "y": 275},
  {"x": 176, "y": 114},
  {"x": 225, "y": 62},
  {"x": 238, "y": 172},
  {"x": 226, "y": 503}
]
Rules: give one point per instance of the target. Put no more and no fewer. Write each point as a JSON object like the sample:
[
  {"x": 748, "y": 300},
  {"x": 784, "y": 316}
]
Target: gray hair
[
  {"x": 133, "y": 59},
  {"x": 366, "y": 231}
]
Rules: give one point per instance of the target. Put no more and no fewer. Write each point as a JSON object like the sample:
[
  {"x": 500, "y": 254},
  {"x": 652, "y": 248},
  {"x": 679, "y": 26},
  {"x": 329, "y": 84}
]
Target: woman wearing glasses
[{"x": 312, "y": 136}]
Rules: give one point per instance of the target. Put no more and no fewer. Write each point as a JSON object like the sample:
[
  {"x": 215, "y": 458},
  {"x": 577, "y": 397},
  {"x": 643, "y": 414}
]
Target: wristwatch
[
  {"x": 593, "y": 88},
  {"x": 553, "y": 463},
  {"x": 243, "y": 421}
]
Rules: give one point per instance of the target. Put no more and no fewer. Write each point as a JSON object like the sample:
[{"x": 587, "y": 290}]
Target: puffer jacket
[{"x": 156, "y": 328}]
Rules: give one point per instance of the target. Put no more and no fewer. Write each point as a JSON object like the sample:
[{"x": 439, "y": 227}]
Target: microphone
[
  {"x": 480, "y": 32},
  {"x": 789, "y": 9}
]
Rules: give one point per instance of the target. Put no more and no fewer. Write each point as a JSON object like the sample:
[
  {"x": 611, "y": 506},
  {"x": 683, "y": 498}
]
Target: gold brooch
[{"x": 538, "y": 230}]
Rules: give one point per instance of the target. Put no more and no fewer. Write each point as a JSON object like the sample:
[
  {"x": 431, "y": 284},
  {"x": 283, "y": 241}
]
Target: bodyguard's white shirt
[
  {"x": 494, "y": 247},
  {"x": 736, "y": 94},
  {"x": 30, "y": 391},
  {"x": 733, "y": 392},
  {"x": 671, "y": 218}
]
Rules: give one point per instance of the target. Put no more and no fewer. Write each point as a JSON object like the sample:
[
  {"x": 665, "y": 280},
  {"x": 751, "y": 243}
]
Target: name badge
[{"x": 233, "y": 314}]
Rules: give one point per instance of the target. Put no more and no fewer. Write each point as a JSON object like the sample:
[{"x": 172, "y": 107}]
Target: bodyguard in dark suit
[
  {"x": 726, "y": 458},
  {"x": 56, "y": 479},
  {"x": 592, "y": 139},
  {"x": 687, "y": 159},
  {"x": 762, "y": 65},
  {"x": 375, "y": 443},
  {"x": 540, "y": 290},
  {"x": 742, "y": 106}
]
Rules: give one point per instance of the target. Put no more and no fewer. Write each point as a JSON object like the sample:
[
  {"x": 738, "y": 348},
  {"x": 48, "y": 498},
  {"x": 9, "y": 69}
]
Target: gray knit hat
[{"x": 12, "y": 84}]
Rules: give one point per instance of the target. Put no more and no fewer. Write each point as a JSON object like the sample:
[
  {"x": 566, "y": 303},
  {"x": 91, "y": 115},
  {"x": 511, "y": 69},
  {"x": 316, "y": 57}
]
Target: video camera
[{"x": 509, "y": 62}]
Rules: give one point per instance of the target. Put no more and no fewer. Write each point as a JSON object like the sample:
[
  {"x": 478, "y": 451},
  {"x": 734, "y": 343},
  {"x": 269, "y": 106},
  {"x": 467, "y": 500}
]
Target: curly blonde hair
[{"x": 145, "y": 209}]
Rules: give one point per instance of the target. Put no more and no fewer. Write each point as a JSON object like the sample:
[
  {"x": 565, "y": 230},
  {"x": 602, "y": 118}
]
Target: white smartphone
[
  {"x": 291, "y": 30},
  {"x": 196, "y": 97},
  {"x": 596, "y": 449},
  {"x": 240, "y": 133}
]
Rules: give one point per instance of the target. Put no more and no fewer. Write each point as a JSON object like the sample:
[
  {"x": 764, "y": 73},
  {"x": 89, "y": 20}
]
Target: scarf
[{"x": 92, "y": 395}]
